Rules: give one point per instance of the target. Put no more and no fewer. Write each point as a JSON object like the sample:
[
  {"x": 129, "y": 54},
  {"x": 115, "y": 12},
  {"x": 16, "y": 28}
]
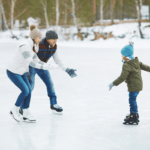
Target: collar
[
  {"x": 30, "y": 41},
  {"x": 46, "y": 43}
]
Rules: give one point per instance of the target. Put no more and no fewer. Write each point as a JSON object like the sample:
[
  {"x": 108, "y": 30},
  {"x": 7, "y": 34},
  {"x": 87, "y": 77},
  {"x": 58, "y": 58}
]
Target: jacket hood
[{"x": 134, "y": 62}]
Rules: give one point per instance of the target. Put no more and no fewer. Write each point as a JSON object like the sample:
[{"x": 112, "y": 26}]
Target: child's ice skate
[
  {"x": 127, "y": 116},
  {"x": 131, "y": 119}
]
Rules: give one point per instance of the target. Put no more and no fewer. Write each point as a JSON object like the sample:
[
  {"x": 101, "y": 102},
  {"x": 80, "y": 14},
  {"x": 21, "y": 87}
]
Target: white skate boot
[
  {"x": 15, "y": 113},
  {"x": 27, "y": 116}
]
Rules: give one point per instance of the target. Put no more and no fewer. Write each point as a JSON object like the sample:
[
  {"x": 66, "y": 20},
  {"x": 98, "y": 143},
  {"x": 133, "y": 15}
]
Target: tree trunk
[
  {"x": 0, "y": 19},
  {"x": 111, "y": 12},
  {"x": 74, "y": 16},
  {"x": 12, "y": 12},
  {"x": 149, "y": 12},
  {"x": 46, "y": 17},
  {"x": 0, "y": 23},
  {"x": 121, "y": 7},
  {"x": 139, "y": 16},
  {"x": 44, "y": 4},
  {"x": 3, "y": 13},
  {"x": 4, "y": 17},
  {"x": 101, "y": 11},
  {"x": 57, "y": 14},
  {"x": 66, "y": 17}
]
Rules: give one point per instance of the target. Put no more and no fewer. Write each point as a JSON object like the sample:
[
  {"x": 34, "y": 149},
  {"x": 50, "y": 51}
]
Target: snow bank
[{"x": 123, "y": 33}]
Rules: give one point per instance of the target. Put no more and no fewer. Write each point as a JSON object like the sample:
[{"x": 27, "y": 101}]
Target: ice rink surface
[{"x": 93, "y": 115}]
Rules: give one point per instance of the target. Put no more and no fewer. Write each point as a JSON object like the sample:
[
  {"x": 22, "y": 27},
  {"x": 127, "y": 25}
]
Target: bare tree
[
  {"x": 101, "y": 11},
  {"x": 0, "y": 23},
  {"x": 12, "y": 12},
  {"x": 66, "y": 13},
  {"x": 3, "y": 14},
  {"x": 74, "y": 15},
  {"x": 112, "y": 11},
  {"x": 139, "y": 15},
  {"x": 0, "y": 19},
  {"x": 44, "y": 4},
  {"x": 4, "y": 17},
  {"x": 57, "y": 14},
  {"x": 120, "y": 12},
  {"x": 149, "y": 11}
]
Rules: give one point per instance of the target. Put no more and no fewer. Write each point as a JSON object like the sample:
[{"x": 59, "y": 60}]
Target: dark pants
[
  {"x": 23, "y": 84},
  {"x": 132, "y": 102},
  {"x": 46, "y": 78}
]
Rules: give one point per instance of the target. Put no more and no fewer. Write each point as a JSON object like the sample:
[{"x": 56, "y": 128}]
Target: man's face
[{"x": 52, "y": 42}]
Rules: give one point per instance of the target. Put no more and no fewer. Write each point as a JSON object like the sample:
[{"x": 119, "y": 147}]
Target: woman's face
[
  {"x": 37, "y": 40},
  {"x": 52, "y": 42}
]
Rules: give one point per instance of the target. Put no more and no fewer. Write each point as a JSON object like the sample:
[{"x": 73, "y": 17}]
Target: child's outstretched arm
[
  {"x": 124, "y": 74},
  {"x": 144, "y": 67}
]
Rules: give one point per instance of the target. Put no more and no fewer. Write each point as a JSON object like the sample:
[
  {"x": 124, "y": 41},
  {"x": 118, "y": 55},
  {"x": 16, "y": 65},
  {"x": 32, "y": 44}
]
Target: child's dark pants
[{"x": 132, "y": 102}]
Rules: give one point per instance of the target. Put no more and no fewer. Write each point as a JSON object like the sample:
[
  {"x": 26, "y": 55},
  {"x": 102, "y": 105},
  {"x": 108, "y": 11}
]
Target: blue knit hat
[{"x": 127, "y": 51}]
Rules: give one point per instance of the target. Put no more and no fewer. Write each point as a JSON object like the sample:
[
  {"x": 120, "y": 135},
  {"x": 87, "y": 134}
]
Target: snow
[
  {"x": 124, "y": 31},
  {"x": 93, "y": 116}
]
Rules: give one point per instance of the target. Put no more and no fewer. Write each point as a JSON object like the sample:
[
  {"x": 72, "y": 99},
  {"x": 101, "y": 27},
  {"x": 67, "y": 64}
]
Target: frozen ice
[{"x": 93, "y": 115}]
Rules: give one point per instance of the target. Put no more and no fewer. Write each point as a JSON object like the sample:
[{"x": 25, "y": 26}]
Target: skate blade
[
  {"x": 130, "y": 123},
  {"x": 13, "y": 117},
  {"x": 55, "y": 112},
  {"x": 28, "y": 121},
  {"x": 125, "y": 120}
]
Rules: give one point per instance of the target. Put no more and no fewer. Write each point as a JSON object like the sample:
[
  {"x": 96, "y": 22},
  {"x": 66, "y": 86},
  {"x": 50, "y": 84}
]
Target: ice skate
[
  {"x": 127, "y": 116},
  {"x": 27, "y": 117},
  {"x": 15, "y": 113},
  {"x": 131, "y": 119},
  {"x": 56, "y": 109}
]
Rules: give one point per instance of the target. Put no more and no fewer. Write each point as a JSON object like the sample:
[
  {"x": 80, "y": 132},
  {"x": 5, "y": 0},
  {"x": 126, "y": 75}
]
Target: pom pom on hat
[
  {"x": 131, "y": 43},
  {"x": 32, "y": 27}
]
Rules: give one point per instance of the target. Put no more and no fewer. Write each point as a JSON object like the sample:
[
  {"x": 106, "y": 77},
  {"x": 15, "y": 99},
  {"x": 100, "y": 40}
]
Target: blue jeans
[
  {"x": 23, "y": 84},
  {"x": 46, "y": 78},
  {"x": 132, "y": 102}
]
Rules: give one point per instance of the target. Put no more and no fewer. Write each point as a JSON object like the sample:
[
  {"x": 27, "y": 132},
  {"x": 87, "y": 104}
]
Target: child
[{"x": 131, "y": 72}]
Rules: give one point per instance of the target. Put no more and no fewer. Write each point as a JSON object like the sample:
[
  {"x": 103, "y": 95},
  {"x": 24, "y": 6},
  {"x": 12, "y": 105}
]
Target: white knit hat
[{"x": 35, "y": 32}]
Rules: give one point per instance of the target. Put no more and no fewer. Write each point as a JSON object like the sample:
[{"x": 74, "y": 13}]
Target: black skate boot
[
  {"x": 56, "y": 109},
  {"x": 127, "y": 116},
  {"x": 131, "y": 119}
]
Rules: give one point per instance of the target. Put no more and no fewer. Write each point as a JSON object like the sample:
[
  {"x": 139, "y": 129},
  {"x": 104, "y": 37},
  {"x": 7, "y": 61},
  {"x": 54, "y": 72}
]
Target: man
[{"x": 48, "y": 49}]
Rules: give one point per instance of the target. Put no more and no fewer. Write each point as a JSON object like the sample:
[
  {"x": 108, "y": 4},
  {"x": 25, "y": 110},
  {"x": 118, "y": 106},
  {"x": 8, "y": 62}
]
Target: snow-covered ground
[
  {"x": 93, "y": 116},
  {"x": 124, "y": 31}
]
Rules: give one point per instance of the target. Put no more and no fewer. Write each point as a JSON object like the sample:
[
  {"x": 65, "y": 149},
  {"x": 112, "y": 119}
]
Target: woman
[{"x": 25, "y": 56}]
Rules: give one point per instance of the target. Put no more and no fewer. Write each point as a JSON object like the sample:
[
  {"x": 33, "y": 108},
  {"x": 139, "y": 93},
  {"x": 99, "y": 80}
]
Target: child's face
[{"x": 124, "y": 58}]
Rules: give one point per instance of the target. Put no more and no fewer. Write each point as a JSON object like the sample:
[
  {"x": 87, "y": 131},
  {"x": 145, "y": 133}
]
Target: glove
[
  {"x": 29, "y": 76},
  {"x": 110, "y": 86},
  {"x": 71, "y": 72}
]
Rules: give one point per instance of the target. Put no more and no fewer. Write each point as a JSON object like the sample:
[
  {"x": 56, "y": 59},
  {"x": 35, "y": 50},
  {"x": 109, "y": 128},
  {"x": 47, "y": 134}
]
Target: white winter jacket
[{"x": 24, "y": 57}]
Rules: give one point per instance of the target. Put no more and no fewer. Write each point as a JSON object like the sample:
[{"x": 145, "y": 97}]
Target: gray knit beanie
[
  {"x": 51, "y": 35},
  {"x": 35, "y": 32}
]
